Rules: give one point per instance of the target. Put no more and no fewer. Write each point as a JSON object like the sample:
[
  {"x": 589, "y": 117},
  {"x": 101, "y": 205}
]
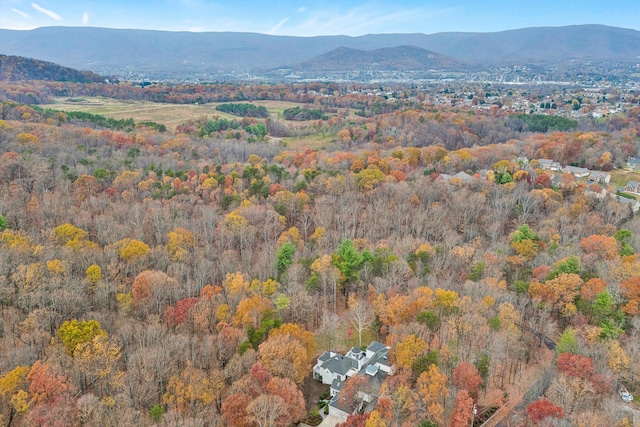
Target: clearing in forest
[{"x": 169, "y": 115}]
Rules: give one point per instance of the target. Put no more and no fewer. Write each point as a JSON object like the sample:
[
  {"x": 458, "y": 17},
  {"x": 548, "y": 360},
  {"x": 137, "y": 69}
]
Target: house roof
[
  {"x": 372, "y": 387},
  {"x": 340, "y": 364},
  {"x": 463, "y": 176},
  {"x": 598, "y": 173},
  {"x": 634, "y": 160},
  {"x": 337, "y": 384},
  {"x": 625, "y": 201},
  {"x": 376, "y": 346},
  {"x": 574, "y": 169},
  {"x": 324, "y": 356},
  {"x": 632, "y": 183}
]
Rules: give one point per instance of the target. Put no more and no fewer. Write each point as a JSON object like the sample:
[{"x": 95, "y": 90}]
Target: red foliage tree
[
  {"x": 542, "y": 181},
  {"x": 542, "y": 408},
  {"x": 575, "y": 365},
  {"x": 355, "y": 420},
  {"x": 463, "y": 412},
  {"x": 234, "y": 409},
  {"x": 179, "y": 313},
  {"x": 467, "y": 377}
]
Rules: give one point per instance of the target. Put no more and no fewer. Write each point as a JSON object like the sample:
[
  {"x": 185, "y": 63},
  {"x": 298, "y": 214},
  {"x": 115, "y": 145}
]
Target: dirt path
[{"x": 518, "y": 390}]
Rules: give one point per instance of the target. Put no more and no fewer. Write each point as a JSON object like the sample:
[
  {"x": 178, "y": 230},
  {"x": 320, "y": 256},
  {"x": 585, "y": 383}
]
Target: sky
[{"x": 318, "y": 17}]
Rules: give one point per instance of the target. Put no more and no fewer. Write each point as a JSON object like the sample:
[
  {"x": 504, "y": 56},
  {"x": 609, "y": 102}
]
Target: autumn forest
[{"x": 192, "y": 276}]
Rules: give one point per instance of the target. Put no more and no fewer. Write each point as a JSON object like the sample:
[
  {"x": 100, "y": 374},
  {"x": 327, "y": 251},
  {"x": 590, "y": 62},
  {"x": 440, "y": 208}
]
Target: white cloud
[
  {"x": 301, "y": 9},
  {"x": 21, "y": 13},
  {"x": 50, "y": 13},
  {"x": 277, "y": 26},
  {"x": 362, "y": 20},
  {"x": 85, "y": 18}
]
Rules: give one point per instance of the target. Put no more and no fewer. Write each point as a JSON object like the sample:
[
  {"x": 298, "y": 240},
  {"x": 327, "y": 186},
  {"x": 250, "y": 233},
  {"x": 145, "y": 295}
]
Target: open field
[
  {"x": 313, "y": 142},
  {"x": 620, "y": 177},
  {"x": 169, "y": 115}
]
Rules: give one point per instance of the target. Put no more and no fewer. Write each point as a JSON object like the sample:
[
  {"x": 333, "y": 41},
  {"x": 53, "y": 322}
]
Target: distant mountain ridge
[
  {"x": 16, "y": 68},
  {"x": 401, "y": 58},
  {"x": 108, "y": 51}
]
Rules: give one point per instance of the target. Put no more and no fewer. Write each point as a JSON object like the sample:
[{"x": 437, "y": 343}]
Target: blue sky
[{"x": 319, "y": 17}]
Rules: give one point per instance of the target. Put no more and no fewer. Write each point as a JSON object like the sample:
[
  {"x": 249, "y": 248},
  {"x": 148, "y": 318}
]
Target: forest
[{"x": 193, "y": 276}]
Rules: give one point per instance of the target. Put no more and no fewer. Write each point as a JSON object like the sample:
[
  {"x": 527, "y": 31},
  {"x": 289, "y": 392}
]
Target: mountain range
[
  {"x": 400, "y": 58},
  {"x": 15, "y": 68},
  {"x": 164, "y": 53}
]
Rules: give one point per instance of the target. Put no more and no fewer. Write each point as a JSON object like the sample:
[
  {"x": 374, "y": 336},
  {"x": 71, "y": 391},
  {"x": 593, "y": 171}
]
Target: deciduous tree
[{"x": 542, "y": 409}]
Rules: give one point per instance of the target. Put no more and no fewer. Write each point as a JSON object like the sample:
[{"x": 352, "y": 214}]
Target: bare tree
[
  {"x": 266, "y": 409},
  {"x": 360, "y": 316}
]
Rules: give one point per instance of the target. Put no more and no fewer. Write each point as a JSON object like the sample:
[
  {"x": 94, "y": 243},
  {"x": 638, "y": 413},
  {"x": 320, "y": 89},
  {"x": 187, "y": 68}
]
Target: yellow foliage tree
[
  {"x": 430, "y": 388},
  {"x": 284, "y": 356},
  {"x": 306, "y": 338},
  {"x": 132, "y": 250},
  {"x": 181, "y": 241},
  {"x": 98, "y": 360},
  {"x": 57, "y": 267},
  {"x": 71, "y": 236},
  {"x": 251, "y": 310},
  {"x": 526, "y": 248},
  {"x": 409, "y": 350},
  {"x": 369, "y": 178},
  {"x": 73, "y": 333},
  {"x": 12, "y": 391},
  {"x": 93, "y": 274},
  {"x": 193, "y": 391},
  {"x": 266, "y": 288}
]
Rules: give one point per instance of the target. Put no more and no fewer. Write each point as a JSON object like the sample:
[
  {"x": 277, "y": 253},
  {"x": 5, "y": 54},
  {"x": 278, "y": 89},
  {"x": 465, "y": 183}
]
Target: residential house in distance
[
  {"x": 632, "y": 187},
  {"x": 575, "y": 171},
  {"x": 633, "y": 163},
  {"x": 549, "y": 164},
  {"x": 596, "y": 191},
  {"x": 462, "y": 176},
  {"x": 373, "y": 365},
  {"x": 599, "y": 177},
  {"x": 632, "y": 203}
]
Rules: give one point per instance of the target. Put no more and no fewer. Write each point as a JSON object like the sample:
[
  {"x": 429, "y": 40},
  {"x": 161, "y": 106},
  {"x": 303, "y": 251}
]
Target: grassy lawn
[
  {"x": 170, "y": 115},
  {"x": 620, "y": 177},
  {"x": 314, "y": 142}
]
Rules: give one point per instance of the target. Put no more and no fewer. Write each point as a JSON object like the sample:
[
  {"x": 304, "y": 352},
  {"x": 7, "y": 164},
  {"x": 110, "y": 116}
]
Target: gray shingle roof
[
  {"x": 376, "y": 346},
  {"x": 324, "y": 356},
  {"x": 340, "y": 364}
]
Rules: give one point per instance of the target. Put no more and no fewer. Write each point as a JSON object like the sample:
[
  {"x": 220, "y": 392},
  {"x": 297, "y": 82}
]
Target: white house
[
  {"x": 601, "y": 177},
  {"x": 596, "y": 191},
  {"x": 632, "y": 203},
  {"x": 633, "y": 163},
  {"x": 575, "y": 171},
  {"x": 548, "y": 164},
  {"x": 334, "y": 369},
  {"x": 632, "y": 187}
]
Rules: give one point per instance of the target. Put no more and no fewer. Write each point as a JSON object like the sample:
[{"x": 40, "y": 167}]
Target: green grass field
[
  {"x": 169, "y": 115},
  {"x": 620, "y": 177},
  {"x": 313, "y": 142}
]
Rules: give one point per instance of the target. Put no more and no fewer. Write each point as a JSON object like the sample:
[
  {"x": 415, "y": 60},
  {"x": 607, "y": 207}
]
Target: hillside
[
  {"x": 196, "y": 276},
  {"x": 16, "y": 68},
  {"x": 163, "y": 53},
  {"x": 401, "y": 58}
]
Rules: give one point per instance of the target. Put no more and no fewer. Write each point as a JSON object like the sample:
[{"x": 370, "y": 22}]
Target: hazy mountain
[
  {"x": 401, "y": 58},
  {"x": 14, "y": 68},
  {"x": 184, "y": 53}
]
